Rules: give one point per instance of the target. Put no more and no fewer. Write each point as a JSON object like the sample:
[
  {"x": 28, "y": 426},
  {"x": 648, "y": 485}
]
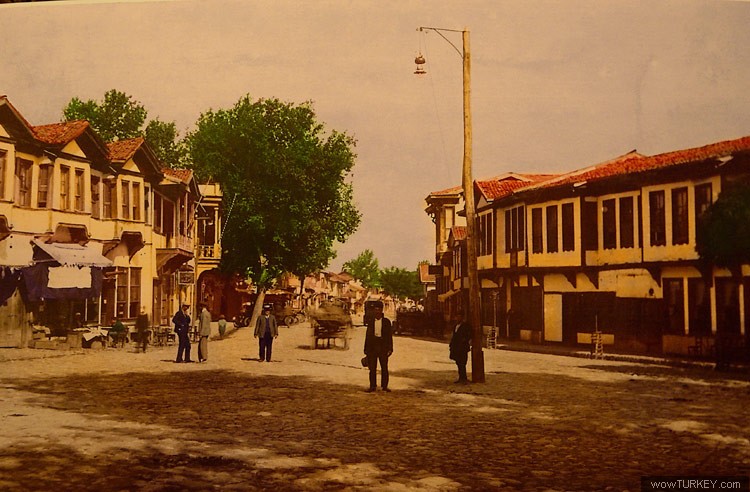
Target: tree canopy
[
  {"x": 723, "y": 232},
  {"x": 285, "y": 180},
  {"x": 401, "y": 283},
  {"x": 118, "y": 116},
  {"x": 365, "y": 268}
]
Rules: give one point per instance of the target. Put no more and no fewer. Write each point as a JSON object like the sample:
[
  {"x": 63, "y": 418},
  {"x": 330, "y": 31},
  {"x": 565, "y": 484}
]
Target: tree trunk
[{"x": 258, "y": 307}]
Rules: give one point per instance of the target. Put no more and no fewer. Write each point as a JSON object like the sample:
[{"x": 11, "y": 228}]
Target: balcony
[{"x": 209, "y": 251}]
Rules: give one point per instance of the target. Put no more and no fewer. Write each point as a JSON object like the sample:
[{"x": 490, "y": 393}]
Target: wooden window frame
[
  {"x": 43, "y": 195},
  {"x": 657, "y": 218},
  {"x": 553, "y": 228},
  {"x": 627, "y": 228},
  {"x": 680, "y": 214},
  {"x": 537, "y": 230},
  {"x": 568, "y": 227}
]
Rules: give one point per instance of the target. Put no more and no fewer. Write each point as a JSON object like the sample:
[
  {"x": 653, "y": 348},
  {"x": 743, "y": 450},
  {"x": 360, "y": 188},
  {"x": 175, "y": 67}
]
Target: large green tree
[
  {"x": 119, "y": 116},
  {"x": 364, "y": 268},
  {"x": 285, "y": 179},
  {"x": 401, "y": 283},
  {"x": 723, "y": 232}
]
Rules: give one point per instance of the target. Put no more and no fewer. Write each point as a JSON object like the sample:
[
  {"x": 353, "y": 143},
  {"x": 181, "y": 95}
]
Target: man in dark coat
[
  {"x": 181, "y": 322},
  {"x": 378, "y": 347},
  {"x": 460, "y": 346},
  {"x": 266, "y": 330}
]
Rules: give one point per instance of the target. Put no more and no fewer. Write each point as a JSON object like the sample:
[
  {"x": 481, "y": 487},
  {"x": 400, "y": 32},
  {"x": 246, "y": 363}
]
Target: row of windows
[
  {"x": 133, "y": 197},
  {"x": 618, "y": 218}
]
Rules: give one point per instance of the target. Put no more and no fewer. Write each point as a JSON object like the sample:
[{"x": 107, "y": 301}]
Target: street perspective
[{"x": 374, "y": 246}]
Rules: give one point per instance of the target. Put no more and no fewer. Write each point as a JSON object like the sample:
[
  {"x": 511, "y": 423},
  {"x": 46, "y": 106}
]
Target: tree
[
  {"x": 723, "y": 232},
  {"x": 365, "y": 268},
  {"x": 285, "y": 179},
  {"x": 401, "y": 283},
  {"x": 120, "y": 117}
]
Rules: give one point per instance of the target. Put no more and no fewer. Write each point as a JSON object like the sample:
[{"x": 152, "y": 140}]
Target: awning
[
  {"x": 170, "y": 259},
  {"x": 445, "y": 296},
  {"x": 130, "y": 243},
  {"x": 69, "y": 233},
  {"x": 69, "y": 254}
]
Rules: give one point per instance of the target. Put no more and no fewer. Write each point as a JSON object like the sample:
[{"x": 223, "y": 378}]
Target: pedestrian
[
  {"x": 266, "y": 330},
  {"x": 222, "y": 326},
  {"x": 181, "y": 321},
  {"x": 378, "y": 346},
  {"x": 460, "y": 345},
  {"x": 204, "y": 330},
  {"x": 141, "y": 328}
]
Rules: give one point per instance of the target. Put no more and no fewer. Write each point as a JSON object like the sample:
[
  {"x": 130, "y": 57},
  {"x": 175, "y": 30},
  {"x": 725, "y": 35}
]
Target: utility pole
[{"x": 475, "y": 315}]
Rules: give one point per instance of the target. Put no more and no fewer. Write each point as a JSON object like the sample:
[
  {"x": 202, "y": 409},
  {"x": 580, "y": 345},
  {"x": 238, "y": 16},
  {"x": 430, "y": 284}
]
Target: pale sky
[{"x": 556, "y": 85}]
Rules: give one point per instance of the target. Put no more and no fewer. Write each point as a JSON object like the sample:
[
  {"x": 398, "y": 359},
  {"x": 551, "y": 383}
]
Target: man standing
[
  {"x": 460, "y": 346},
  {"x": 181, "y": 322},
  {"x": 204, "y": 330},
  {"x": 378, "y": 347},
  {"x": 265, "y": 331},
  {"x": 141, "y": 328}
]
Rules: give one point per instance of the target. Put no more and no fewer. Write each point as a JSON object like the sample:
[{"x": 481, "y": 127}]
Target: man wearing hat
[
  {"x": 378, "y": 347},
  {"x": 181, "y": 322},
  {"x": 266, "y": 329}
]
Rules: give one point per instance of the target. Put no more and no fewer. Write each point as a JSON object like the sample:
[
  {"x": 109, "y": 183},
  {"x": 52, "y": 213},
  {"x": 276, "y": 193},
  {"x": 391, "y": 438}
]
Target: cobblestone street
[{"x": 119, "y": 420}]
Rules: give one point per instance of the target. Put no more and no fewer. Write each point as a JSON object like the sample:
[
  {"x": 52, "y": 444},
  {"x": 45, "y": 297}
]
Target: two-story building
[
  {"x": 91, "y": 231},
  {"x": 611, "y": 247}
]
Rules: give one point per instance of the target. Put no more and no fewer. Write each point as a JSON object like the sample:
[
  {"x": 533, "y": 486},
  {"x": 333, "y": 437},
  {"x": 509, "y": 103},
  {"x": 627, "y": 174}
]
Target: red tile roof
[
  {"x": 504, "y": 184},
  {"x": 456, "y": 190},
  {"x": 424, "y": 274},
  {"x": 183, "y": 175},
  {"x": 634, "y": 162},
  {"x": 459, "y": 233},
  {"x": 60, "y": 133},
  {"x": 122, "y": 150}
]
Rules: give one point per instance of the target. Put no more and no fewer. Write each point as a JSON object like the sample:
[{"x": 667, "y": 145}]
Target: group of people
[{"x": 378, "y": 341}]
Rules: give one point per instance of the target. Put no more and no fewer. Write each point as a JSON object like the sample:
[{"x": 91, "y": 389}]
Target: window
[
  {"x": 135, "y": 291},
  {"x": 514, "y": 229},
  {"x": 657, "y": 218},
  {"x": 627, "y": 233},
  {"x": 23, "y": 182},
  {"x": 128, "y": 291},
  {"x": 609, "y": 224},
  {"x": 485, "y": 234},
  {"x": 590, "y": 226},
  {"x": 568, "y": 227},
  {"x": 95, "y": 203},
  {"x": 158, "y": 221},
  {"x": 703, "y": 199},
  {"x": 136, "y": 205},
  {"x": 552, "y": 238},
  {"x": 147, "y": 204},
  {"x": 537, "y": 245},
  {"x": 680, "y": 216},
  {"x": 79, "y": 190},
  {"x": 45, "y": 177},
  {"x": 64, "y": 188},
  {"x": 109, "y": 200},
  {"x": 125, "y": 199},
  {"x": 3, "y": 164}
]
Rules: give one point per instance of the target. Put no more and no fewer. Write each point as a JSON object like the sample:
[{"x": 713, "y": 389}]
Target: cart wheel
[{"x": 290, "y": 320}]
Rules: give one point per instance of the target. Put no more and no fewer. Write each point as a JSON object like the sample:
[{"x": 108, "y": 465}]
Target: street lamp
[{"x": 475, "y": 318}]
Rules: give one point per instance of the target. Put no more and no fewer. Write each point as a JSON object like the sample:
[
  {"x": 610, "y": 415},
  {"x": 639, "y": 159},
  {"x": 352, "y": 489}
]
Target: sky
[{"x": 555, "y": 85}]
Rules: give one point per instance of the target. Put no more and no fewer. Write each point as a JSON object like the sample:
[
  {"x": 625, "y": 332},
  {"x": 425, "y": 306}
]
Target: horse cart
[{"x": 328, "y": 323}]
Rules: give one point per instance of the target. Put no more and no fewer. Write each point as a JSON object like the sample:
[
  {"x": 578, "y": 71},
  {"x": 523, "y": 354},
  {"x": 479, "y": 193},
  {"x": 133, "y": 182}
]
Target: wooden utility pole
[{"x": 475, "y": 315}]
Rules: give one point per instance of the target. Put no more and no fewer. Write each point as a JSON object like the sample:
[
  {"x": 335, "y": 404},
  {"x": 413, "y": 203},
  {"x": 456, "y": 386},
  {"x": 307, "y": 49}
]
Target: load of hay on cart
[{"x": 330, "y": 322}]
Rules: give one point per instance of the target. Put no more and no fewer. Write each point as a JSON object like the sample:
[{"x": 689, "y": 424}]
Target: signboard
[{"x": 185, "y": 278}]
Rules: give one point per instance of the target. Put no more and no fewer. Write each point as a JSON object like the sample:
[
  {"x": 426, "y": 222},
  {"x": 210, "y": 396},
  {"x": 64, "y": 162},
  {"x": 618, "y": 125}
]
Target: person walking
[
  {"x": 181, "y": 321},
  {"x": 204, "y": 330},
  {"x": 141, "y": 328},
  {"x": 266, "y": 329},
  {"x": 460, "y": 345},
  {"x": 222, "y": 326},
  {"x": 378, "y": 346}
]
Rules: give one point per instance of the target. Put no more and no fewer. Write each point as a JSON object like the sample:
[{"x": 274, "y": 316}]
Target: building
[
  {"x": 91, "y": 231},
  {"x": 611, "y": 247}
]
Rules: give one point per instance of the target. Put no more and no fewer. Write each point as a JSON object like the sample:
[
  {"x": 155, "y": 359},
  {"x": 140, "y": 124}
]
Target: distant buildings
[{"x": 608, "y": 247}]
